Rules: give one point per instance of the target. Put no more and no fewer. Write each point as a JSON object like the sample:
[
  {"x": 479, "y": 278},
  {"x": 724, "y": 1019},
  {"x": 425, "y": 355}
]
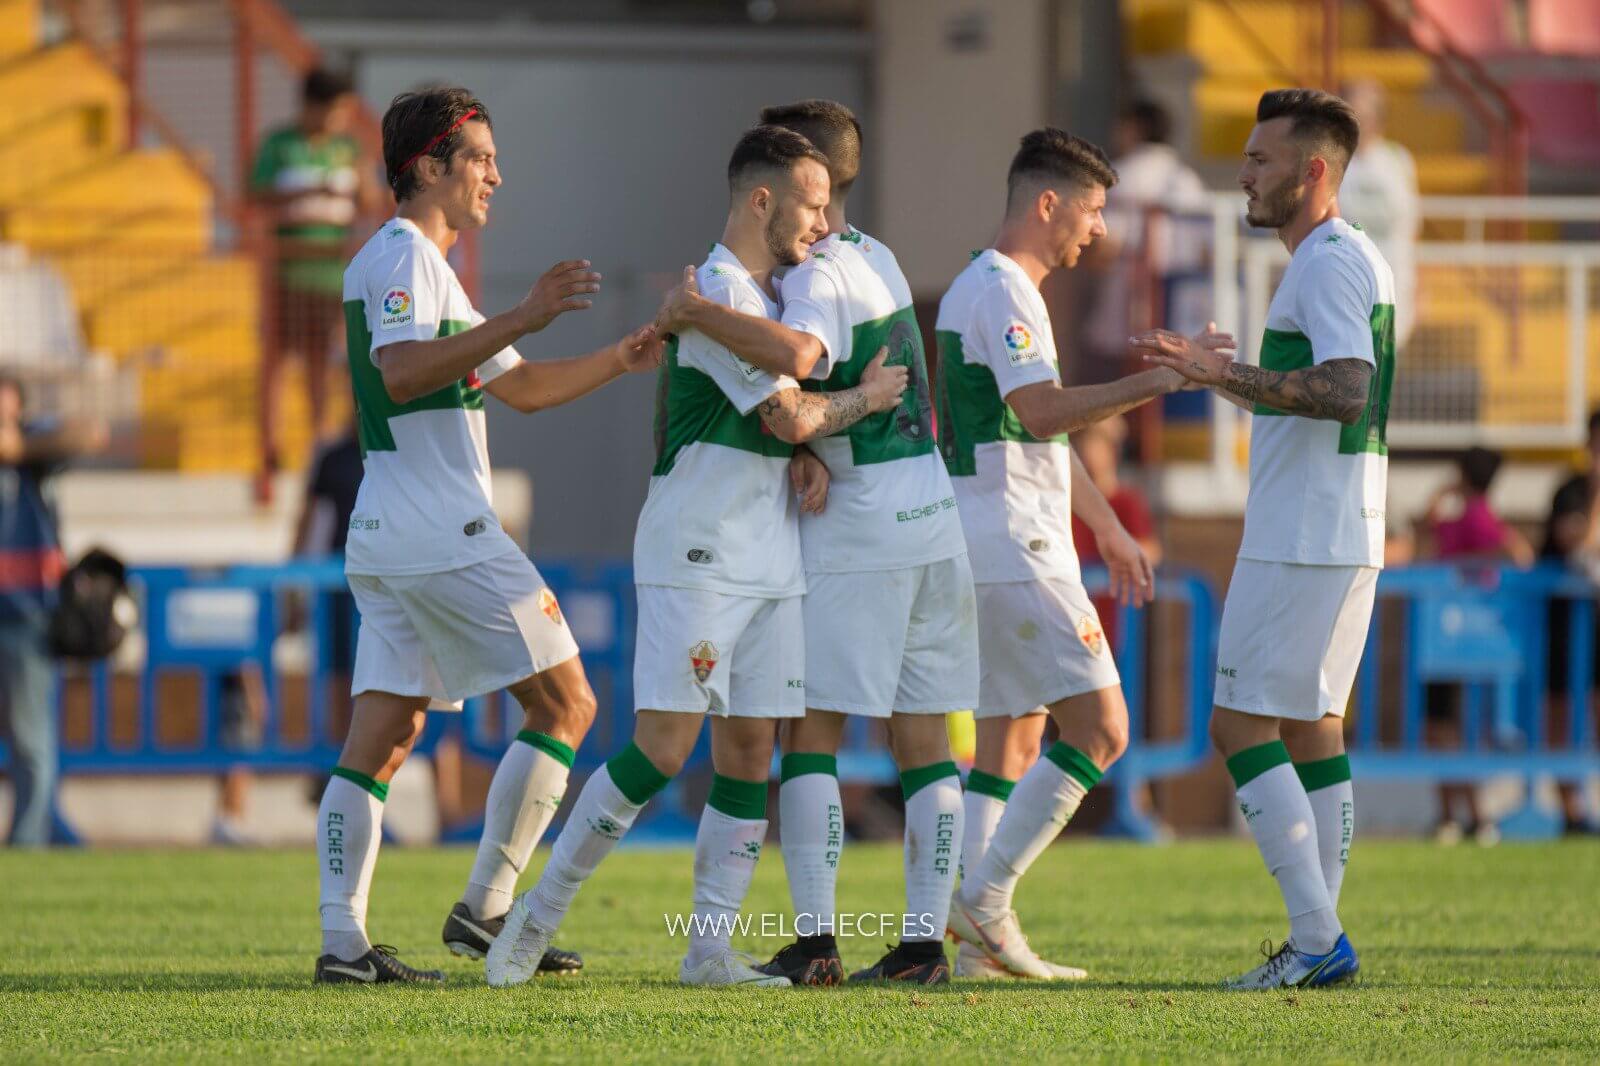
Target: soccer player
[
  {"x": 1004, "y": 419},
  {"x": 1298, "y": 606},
  {"x": 717, "y": 563},
  {"x": 450, "y": 606},
  {"x": 890, "y": 619}
]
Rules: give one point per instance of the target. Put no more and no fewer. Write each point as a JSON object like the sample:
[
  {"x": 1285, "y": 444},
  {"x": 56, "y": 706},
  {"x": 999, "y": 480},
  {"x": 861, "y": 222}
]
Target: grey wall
[{"x": 613, "y": 148}]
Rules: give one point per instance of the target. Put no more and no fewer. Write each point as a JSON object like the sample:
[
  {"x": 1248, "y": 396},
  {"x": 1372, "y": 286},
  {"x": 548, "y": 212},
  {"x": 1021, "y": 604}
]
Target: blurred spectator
[
  {"x": 1099, "y": 447},
  {"x": 1150, "y": 174},
  {"x": 1572, "y": 537},
  {"x": 1380, "y": 193},
  {"x": 1462, "y": 527},
  {"x": 311, "y": 178},
  {"x": 244, "y": 715},
  {"x": 30, "y": 570}
]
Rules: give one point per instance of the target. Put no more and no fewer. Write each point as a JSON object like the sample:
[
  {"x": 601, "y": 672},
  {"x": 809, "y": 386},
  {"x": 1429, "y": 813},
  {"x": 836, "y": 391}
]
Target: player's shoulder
[{"x": 1344, "y": 248}]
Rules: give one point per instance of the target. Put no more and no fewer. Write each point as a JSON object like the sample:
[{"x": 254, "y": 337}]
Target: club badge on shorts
[
  {"x": 548, "y": 604},
  {"x": 703, "y": 659},
  {"x": 1090, "y": 633}
]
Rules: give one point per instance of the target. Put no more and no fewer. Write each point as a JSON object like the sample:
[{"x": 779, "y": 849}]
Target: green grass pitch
[{"x": 1467, "y": 954}]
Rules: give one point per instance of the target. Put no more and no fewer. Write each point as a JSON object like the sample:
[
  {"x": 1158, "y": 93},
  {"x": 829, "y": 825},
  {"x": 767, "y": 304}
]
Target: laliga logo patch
[
  {"x": 397, "y": 308},
  {"x": 548, "y": 604},
  {"x": 1090, "y": 633},
  {"x": 703, "y": 659},
  {"x": 1019, "y": 344}
]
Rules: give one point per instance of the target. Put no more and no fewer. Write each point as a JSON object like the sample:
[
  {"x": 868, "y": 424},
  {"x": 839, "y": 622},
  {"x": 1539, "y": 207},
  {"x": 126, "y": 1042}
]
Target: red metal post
[
  {"x": 1330, "y": 44},
  {"x": 132, "y": 45}
]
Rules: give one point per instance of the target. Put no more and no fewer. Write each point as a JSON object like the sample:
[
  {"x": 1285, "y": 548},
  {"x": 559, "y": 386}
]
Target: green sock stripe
[
  {"x": 801, "y": 763},
  {"x": 738, "y": 799},
  {"x": 989, "y": 785},
  {"x": 363, "y": 782},
  {"x": 914, "y": 781},
  {"x": 1251, "y": 763},
  {"x": 549, "y": 745},
  {"x": 635, "y": 776},
  {"x": 1075, "y": 764},
  {"x": 1323, "y": 773}
]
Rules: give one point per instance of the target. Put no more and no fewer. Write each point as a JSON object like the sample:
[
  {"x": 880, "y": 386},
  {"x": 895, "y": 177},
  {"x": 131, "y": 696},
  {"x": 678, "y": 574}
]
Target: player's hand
[
  {"x": 640, "y": 350},
  {"x": 1202, "y": 359},
  {"x": 810, "y": 478},
  {"x": 566, "y": 286},
  {"x": 678, "y": 304},
  {"x": 1133, "y": 581},
  {"x": 884, "y": 385}
]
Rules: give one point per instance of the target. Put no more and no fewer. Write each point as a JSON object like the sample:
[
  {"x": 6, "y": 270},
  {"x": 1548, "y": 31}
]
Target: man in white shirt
[
  {"x": 1295, "y": 621},
  {"x": 450, "y": 606},
  {"x": 718, "y": 568},
  {"x": 1003, "y": 423}
]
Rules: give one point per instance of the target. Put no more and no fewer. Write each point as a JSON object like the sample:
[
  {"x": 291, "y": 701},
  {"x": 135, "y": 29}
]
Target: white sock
[
  {"x": 932, "y": 849},
  {"x": 982, "y": 811},
  {"x": 1041, "y": 805},
  {"x": 526, "y": 791},
  {"x": 726, "y": 849},
  {"x": 348, "y": 835},
  {"x": 598, "y": 821},
  {"x": 811, "y": 821},
  {"x": 1334, "y": 808},
  {"x": 1279, "y": 815}
]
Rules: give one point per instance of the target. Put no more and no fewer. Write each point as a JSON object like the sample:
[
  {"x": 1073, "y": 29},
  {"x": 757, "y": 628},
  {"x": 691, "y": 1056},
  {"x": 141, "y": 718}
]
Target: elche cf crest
[
  {"x": 1090, "y": 633},
  {"x": 703, "y": 659}
]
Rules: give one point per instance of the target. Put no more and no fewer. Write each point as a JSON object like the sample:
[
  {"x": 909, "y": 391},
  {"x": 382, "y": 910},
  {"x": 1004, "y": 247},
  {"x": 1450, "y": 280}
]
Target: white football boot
[
  {"x": 514, "y": 956},
  {"x": 1003, "y": 942},
  {"x": 728, "y": 968}
]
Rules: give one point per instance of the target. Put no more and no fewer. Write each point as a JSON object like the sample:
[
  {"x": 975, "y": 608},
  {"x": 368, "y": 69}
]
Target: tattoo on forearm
[
  {"x": 1336, "y": 390},
  {"x": 819, "y": 414}
]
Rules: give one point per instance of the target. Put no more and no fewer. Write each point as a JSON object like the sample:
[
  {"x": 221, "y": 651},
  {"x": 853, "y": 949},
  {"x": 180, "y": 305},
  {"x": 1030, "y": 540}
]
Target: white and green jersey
[
  {"x": 890, "y": 504},
  {"x": 424, "y": 503},
  {"x": 1014, "y": 490},
  {"x": 720, "y": 515},
  {"x": 1317, "y": 487}
]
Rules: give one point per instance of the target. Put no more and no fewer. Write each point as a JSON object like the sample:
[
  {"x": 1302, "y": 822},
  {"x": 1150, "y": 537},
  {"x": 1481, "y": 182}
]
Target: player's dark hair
[
  {"x": 1055, "y": 156},
  {"x": 1152, "y": 120},
  {"x": 324, "y": 85},
  {"x": 766, "y": 149},
  {"x": 1321, "y": 123},
  {"x": 412, "y": 123},
  {"x": 1594, "y": 422},
  {"x": 1478, "y": 468},
  {"x": 831, "y": 127}
]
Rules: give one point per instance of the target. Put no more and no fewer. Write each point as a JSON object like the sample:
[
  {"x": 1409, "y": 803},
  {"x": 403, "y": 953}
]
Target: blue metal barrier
[{"x": 1485, "y": 630}]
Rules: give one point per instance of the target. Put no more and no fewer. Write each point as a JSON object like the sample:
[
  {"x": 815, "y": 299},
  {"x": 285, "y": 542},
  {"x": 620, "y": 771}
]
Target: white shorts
[
  {"x": 457, "y": 633},
  {"x": 1292, "y": 637},
  {"x": 893, "y": 640},
  {"x": 708, "y": 652},
  {"x": 1038, "y": 642}
]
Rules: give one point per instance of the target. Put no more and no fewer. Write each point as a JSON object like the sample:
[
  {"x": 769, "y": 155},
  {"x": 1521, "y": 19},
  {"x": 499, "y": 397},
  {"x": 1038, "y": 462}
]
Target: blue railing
[{"x": 1487, "y": 631}]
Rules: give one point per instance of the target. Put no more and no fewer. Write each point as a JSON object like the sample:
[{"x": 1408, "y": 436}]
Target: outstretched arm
[
  {"x": 796, "y": 417},
  {"x": 1047, "y": 409},
  {"x": 418, "y": 367},
  {"x": 763, "y": 342},
  {"x": 1336, "y": 390},
  {"x": 549, "y": 383}
]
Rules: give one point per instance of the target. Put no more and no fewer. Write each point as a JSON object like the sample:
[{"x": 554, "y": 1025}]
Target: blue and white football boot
[{"x": 1291, "y": 968}]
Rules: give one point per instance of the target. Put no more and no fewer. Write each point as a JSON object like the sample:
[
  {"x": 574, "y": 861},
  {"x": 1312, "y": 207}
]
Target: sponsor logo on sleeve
[
  {"x": 703, "y": 659},
  {"x": 399, "y": 309},
  {"x": 1020, "y": 346}
]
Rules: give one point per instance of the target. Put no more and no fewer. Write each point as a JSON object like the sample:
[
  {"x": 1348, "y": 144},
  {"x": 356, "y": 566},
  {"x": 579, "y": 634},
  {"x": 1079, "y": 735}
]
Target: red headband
[{"x": 431, "y": 145}]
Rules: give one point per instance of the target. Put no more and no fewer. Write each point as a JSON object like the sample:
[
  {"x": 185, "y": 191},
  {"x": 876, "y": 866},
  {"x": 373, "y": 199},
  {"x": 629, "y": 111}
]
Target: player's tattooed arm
[
  {"x": 1336, "y": 390},
  {"x": 796, "y": 417}
]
